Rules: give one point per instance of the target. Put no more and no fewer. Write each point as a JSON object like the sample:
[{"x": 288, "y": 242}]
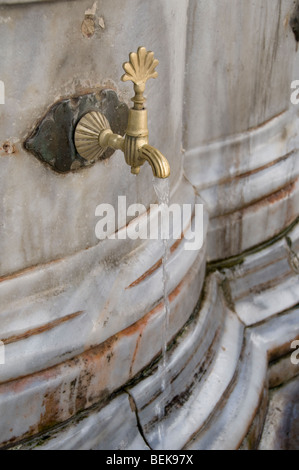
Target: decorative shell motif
[
  {"x": 141, "y": 67},
  {"x": 87, "y": 135}
]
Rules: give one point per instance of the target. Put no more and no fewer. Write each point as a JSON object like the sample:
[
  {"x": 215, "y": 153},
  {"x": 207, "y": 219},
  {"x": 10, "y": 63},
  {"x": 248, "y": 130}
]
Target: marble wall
[
  {"x": 68, "y": 299},
  {"x": 83, "y": 314},
  {"x": 240, "y": 128},
  {"x": 46, "y": 55}
]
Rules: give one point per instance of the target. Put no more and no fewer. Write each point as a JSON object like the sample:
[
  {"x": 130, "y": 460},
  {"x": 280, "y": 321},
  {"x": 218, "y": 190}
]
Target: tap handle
[{"x": 139, "y": 69}]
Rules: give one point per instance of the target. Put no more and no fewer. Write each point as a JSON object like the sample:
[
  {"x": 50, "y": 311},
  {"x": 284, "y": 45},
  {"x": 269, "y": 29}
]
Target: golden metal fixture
[{"x": 93, "y": 134}]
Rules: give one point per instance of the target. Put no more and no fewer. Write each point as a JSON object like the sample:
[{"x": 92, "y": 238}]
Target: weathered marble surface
[
  {"x": 241, "y": 130},
  {"x": 281, "y": 430},
  {"x": 58, "y": 393},
  {"x": 266, "y": 281},
  {"x": 11, "y": 2},
  {"x": 218, "y": 411},
  {"x": 239, "y": 65},
  {"x": 97, "y": 431},
  {"x": 258, "y": 197},
  {"x": 45, "y": 216},
  {"x": 63, "y": 308},
  {"x": 99, "y": 347},
  {"x": 282, "y": 370},
  {"x": 228, "y": 428},
  {"x": 200, "y": 369},
  {"x": 83, "y": 315},
  {"x": 218, "y": 367},
  {"x": 218, "y": 370}
]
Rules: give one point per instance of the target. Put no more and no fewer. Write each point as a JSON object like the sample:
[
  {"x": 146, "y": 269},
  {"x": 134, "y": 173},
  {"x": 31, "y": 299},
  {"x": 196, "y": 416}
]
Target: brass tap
[{"x": 93, "y": 133}]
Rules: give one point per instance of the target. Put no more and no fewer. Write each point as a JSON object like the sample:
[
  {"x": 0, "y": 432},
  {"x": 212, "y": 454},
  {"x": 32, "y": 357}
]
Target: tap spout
[{"x": 156, "y": 159}]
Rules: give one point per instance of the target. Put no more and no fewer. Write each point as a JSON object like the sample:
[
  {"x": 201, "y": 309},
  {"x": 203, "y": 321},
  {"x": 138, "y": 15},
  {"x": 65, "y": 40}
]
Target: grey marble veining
[
  {"x": 225, "y": 406},
  {"x": 265, "y": 282},
  {"x": 97, "y": 431},
  {"x": 241, "y": 130},
  {"x": 80, "y": 318},
  {"x": 41, "y": 211},
  {"x": 281, "y": 426}
]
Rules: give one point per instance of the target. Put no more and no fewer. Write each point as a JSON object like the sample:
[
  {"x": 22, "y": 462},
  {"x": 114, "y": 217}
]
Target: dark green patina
[{"x": 52, "y": 140}]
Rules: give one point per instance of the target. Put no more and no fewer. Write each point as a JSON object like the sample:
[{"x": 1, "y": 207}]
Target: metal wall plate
[{"x": 52, "y": 141}]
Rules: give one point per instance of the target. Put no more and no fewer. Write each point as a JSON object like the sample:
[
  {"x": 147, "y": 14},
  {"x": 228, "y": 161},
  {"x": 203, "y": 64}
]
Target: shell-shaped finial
[
  {"x": 141, "y": 66},
  {"x": 139, "y": 69}
]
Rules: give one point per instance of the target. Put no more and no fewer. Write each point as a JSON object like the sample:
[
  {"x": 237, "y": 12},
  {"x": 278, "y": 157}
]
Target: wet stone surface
[{"x": 52, "y": 141}]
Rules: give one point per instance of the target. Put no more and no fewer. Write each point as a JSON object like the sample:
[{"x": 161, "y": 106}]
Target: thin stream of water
[{"x": 161, "y": 187}]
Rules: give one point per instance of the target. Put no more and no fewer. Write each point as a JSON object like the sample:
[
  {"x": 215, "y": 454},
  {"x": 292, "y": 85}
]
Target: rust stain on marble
[
  {"x": 84, "y": 377},
  {"x": 278, "y": 195},
  {"x": 146, "y": 274},
  {"x": 135, "y": 354},
  {"x": 41, "y": 329},
  {"x": 158, "y": 264},
  {"x": 262, "y": 168},
  {"x": 140, "y": 325},
  {"x": 272, "y": 198},
  {"x": 264, "y": 123},
  {"x": 24, "y": 271},
  {"x": 282, "y": 193},
  {"x": 135, "y": 327},
  {"x": 8, "y": 148}
]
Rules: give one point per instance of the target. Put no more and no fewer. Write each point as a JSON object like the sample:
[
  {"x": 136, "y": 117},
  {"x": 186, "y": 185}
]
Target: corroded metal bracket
[{"x": 52, "y": 141}]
